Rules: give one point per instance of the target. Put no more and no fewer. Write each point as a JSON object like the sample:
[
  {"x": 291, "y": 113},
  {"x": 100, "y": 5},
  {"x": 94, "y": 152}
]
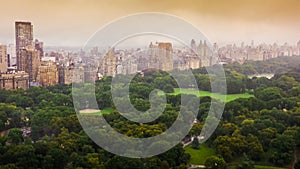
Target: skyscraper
[
  {"x": 24, "y": 38},
  {"x": 11, "y": 54},
  {"x": 3, "y": 58},
  {"x": 28, "y": 58},
  {"x": 38, "y": 45},
  {"x": 29, "y": 62}
]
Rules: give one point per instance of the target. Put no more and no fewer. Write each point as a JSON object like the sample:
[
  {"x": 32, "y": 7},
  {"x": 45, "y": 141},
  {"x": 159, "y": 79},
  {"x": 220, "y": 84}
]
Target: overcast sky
[{"x": 72, "y": 22}]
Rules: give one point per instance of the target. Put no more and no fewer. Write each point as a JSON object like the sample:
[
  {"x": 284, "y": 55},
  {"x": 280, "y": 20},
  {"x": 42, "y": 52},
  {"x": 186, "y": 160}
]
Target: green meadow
[
  {"x": 218, "y": 96},
  {"x": 266, "y": 167},
  {"x": 199, "y": 156},
  {"x": 104, "y": 111}
]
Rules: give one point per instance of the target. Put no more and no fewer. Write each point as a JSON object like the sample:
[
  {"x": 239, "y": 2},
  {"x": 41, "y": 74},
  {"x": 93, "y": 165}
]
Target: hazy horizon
[{"x": 72, "y": 22}]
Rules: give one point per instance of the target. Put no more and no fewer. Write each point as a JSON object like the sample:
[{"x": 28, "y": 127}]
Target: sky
[{"x": 72, "y": 22}]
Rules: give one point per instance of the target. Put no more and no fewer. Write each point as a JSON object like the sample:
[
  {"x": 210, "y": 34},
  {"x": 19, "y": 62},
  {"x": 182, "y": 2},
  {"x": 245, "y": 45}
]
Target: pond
[{"x": 267, "y": 75}]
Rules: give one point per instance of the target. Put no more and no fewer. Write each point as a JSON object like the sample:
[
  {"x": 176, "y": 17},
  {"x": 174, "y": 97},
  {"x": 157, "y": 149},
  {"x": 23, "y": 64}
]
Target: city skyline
[{"x": 71, "y": 23}]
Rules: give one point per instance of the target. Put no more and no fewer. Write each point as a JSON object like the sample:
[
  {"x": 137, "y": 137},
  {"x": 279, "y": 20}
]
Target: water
[{"x": 267, "y": 75}]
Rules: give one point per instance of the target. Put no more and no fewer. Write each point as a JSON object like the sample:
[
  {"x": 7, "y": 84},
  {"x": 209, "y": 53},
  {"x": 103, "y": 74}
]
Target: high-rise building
[
  {"x": 165, "y": 56},
  {"x": 11, "y": 55},
  {"x": 108, "y": 66},
  {"x": 29, "y": 62},
  {"x": 24, "y": 38},
  {"x": 66, "y": 74},
  {"x": 48, "y": 73},
  {"x": 160, "y": 56},
  {"x": 193, "y": 45},
  {"x": 38, "y": 45},
  {"x": 3, "y": 58}
]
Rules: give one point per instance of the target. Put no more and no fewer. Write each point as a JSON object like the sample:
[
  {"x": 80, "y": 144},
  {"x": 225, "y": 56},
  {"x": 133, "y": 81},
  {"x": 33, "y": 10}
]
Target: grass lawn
[
  {"x": 199, "y": 156},
  {"x": 218, "y": 96},
  {"x": 104, "y": 111},
  {"x": 267, "y": 167}
]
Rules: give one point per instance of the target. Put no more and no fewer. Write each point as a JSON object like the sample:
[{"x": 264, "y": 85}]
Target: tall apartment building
[
  {"x": 66, "y": 74},
  {"x": 14, "y": 80},
  {"x": 108, "y": 65},
  {"x": 24, "y": 38},
  {"x": 38, "y": 45},
  {"x": 11, "y": 55},
  {"x": 161, "y": 56},
  {"x": 205, "y": 54},
  {"x": 28, "y": 57},
  {"x": 48, "y": 73},
  {"x": 29, "y": 61},
  {"x": 3, "y": 58}
]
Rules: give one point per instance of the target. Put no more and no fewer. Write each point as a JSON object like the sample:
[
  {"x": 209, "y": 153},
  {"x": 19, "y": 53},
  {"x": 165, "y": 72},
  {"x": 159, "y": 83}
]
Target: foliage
[
  {"x": 195, "y": 143},
  {"x": 214, "y": 162},
  {"x": 264, "y": 125}
]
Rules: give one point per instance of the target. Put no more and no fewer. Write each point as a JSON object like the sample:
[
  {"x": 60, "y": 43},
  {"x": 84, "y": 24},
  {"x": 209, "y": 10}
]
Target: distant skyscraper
[
  {"x": 3, "y": 58},
  {"x": 193, "y": 45},
  {"x": 11, "y": 54},
  {"x": 39, "y": 46},
  {"x": 24, "y": 38}
]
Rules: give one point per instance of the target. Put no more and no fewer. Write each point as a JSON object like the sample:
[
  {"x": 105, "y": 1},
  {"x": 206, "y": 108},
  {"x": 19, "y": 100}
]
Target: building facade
[
  {"x": 24, "y": 38},
  {"x": 48, "y": 74},
  {"x": 109, "y": 64},
  {"x": 160, "y": 56},
  {"x": 66, "y": 74},
  {"x": 29, "y": 62},
  {"x": 11, "y": 55},
  {"x": 15, "y": 80},
  {"x": 38, "y": 45},
  {"x": 3, "y": 58}
]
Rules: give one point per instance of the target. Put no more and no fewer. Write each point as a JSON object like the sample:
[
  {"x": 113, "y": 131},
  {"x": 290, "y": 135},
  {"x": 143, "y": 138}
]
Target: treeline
[
  {"x": 57, "y": 139},
  {"x": 264, "y": 128},
  {"x": 274, "y": 65}
]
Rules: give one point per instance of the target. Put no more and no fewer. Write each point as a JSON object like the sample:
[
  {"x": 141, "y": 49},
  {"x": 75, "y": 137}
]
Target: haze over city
[{"x": 72, "y": 22}]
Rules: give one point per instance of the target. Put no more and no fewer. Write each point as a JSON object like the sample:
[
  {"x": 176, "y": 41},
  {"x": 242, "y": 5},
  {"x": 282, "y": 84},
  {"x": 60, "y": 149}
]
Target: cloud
[{"x": 71, "y": 22}]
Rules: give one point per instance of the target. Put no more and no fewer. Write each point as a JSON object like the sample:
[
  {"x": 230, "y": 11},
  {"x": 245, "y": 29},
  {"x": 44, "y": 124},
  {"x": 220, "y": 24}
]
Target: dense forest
[{"x": 40, "y": 128}]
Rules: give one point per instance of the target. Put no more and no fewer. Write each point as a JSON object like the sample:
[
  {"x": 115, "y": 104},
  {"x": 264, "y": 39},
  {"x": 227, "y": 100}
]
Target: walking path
[{"x": 196, "y": 166}]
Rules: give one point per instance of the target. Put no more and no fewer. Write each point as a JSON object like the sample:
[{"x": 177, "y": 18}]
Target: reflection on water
[{"x": 267, "y": 75}]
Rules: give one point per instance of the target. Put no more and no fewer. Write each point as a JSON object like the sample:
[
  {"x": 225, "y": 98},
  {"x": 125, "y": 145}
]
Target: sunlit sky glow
[{"x": 72, "y": 22}]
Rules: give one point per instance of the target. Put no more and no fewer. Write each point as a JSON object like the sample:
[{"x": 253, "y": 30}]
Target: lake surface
[{"x": 267, "y": 75}]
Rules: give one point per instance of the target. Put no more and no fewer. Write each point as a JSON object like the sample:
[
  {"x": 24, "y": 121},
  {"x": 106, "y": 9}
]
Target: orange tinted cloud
[{"x": 71, "y": 22}]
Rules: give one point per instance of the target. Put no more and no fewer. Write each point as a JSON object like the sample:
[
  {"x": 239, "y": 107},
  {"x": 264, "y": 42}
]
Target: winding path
[{"x": 196, "y": 166}]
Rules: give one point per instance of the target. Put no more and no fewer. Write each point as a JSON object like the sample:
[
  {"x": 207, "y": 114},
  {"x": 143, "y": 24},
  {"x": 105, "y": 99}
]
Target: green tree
[
  {"x": 266, "y": 135},
  {"x": 270, "y": 93},
  {"x": 195, "y": 143},
  {"x": 15, "y": 136},
  {"x": 57, "y": 157},
  {"x": 9, "y": 166},
  {"x": 246, "y": 163},
  {"x": 23, "y": 156},
  {"x": 164, "y": 165},
  {"x": 94, "y": 161},
  {"x": 285, "y": 83},
  {"x": 284, "y": 146},
  {"x": 214, "y": 162},
  {"x": 118, "y": 162}
]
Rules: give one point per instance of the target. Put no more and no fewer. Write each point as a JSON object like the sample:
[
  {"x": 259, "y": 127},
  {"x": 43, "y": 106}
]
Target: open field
[
  {"x": 94, "y": 112},
  {"x": 218, "y": 96},
  {"x": 266, "y": 167},
  {"x": 199, "y": 156}
]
